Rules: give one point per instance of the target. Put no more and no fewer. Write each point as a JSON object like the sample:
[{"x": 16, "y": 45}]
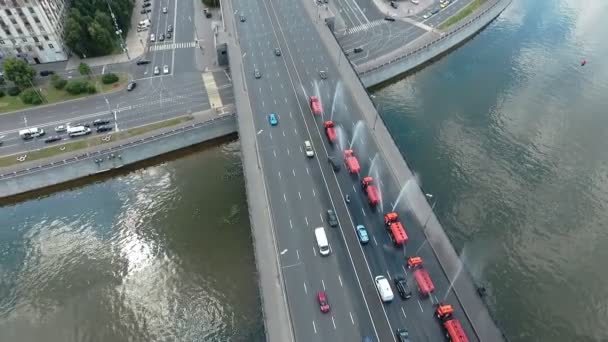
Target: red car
[
  {"x": 315, "y": 105},
  {"x": 323, "y": 302}
]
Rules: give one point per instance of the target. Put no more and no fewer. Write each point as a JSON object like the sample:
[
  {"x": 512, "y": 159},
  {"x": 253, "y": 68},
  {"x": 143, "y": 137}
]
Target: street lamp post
[
  {"x": 378, "y": 106},
  {"x": 429, "y": 196}
]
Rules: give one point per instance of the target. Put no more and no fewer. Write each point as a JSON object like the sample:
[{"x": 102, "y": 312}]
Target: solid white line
[
  {"x": 351, "y": 317},
  {"x": 340, "y": 280},
  {"x": 403, "y": 311},
  {"x": 420, "y": 305},
  {"x": 314, "y": 326},
  {"x": 323, "y": 283},
  {"x": 333, "y": 322}
]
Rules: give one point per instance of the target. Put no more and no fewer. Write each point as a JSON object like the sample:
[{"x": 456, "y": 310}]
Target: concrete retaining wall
[
  {"x": 422, "y": 54},
  {"x": 60, "y": 171}
]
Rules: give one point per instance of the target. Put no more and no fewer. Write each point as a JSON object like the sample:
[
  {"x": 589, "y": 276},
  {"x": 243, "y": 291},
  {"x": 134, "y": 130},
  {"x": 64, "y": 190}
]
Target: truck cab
[
  {"x": 330, "y": 131},
  {"x": 413, "y": 262}
]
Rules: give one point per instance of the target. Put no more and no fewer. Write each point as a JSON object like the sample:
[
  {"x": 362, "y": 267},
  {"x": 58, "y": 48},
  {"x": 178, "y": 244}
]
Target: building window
[
  {"x": 1, "y": 42},
  {"x": 40, "y": 47},
  {"x": 46, "y": 37},
  {"x": 36, "y": 39},
  {"x": 31, "y": 9},
  {"x": 50, "y": 46},
  {"x": 13, "y": 21},
  {"x": 24, "y": 40},
  {"x": 29, "y": 48},
  {"x": 8, "y": 32},
  {"x": 19, "y": 50},
  {"x": 36, "y": 20},
  {"x": 8, "y": 11},
  {"x": 19, "y": 31},
  {"x": 14, "y": 42}
]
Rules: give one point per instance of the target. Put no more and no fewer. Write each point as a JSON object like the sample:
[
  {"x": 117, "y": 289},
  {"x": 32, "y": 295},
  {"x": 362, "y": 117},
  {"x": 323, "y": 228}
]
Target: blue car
[
  {"x": 273, "y": 119},
  {"x": 362, "y": 234}
]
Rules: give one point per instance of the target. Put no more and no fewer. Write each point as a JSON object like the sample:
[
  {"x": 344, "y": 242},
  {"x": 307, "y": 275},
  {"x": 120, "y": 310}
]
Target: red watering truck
[
  {"x": 395, "y": 229},
  {"x": 425, "y": 284},
  {"x": 373, "y": 195},
  {"x": 315, "y": 105},
  {"x": 352, "y": 164},
  {"x": 330, "y": 131},
  {"x": 413, "y": 262},
  {"x": 453, "y": 329}
]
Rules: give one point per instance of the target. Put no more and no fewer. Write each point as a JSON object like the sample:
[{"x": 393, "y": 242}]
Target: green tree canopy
[
  {"x": 19, "y": 72},
  {"x": 84, "y": 69}
]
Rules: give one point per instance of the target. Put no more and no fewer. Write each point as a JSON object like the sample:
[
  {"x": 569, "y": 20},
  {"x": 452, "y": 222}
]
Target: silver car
[{"x": 156, "y": 70}]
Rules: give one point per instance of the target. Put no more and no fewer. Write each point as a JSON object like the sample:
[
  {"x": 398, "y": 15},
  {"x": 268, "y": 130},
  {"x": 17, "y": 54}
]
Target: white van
[
  {"x": 322, "y": 241},
  {"x": 78, "y": 131},
  {"x": 144, "y": 23},
  {"x": 30, "y": 133},
  {"x": 384, "y": 289}
]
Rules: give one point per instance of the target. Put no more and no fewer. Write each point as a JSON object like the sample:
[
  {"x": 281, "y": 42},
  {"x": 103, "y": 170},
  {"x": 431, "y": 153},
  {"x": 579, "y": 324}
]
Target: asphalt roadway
[
  {"x": 301, "y": 189},
  {"x": 368, "y": 30},
  {"x": 156, "y": 97}
]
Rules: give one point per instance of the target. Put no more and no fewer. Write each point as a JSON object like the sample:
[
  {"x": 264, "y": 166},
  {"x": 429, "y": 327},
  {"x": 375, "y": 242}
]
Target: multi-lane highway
[
  {"x": 301, "y": 189},
  {"x": 156, "y": 97}
]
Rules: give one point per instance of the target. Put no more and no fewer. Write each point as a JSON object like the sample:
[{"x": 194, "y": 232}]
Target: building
[{"x": 33, "y": 30}]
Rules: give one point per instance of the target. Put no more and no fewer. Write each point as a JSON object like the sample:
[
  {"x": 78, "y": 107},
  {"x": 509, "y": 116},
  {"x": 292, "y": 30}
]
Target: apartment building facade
[{"x": 33, "y": 30}]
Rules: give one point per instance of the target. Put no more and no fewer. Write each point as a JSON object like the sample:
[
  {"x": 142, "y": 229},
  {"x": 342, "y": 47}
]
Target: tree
[
  {"x": 84, "y": 69},
  {"x": 109, "y": 78},
  {"x": 19, "y": 72},
  {"x": 31, "y": 96}
]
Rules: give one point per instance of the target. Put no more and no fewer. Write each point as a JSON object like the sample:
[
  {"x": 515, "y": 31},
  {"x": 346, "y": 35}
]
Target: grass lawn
[
  {"x": 52, "y": 95},
  {"x": 464, "y": 12},
  {"x": 89, "y": 142}
]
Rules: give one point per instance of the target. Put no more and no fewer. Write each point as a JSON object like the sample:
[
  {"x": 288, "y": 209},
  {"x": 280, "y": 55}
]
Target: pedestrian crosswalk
[
  {"x": 365, "y": 27},
  {"x": 171, "y": 46}
]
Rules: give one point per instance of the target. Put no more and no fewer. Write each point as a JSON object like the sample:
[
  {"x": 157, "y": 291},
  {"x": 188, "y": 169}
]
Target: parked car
[
  {"x": 131, "y": 85},
  {"x": 46, "y": 72},
  {"x": 145, "y": 10},
  {"x": 322, "y": 74},
  {"x": 152, "y": 37},
  {"x": 52, "y": 139},
  {"x": 403, "y": 335},
  {"x": 357, "y": 50},
  {"x": 101, "y": 129},
  {"x": 170, "y": 28},
  {"x": 147, "y": 4},
  {"x": 143, "y": 62},
  {"x": 207, "y": 13},
  {"x": 388, "y": 18},
  {"x": 156, "y": 70},
  {"x": 394, "y": 5},
  {"x": 169, "y": 35},
  {"x": 161, "y": 37},
  {"x": 165, "y": 69}
]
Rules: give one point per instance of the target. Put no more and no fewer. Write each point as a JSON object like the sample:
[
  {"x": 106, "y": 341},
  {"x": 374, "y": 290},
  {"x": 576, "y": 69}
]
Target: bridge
[{"x": 276, "y": 50}]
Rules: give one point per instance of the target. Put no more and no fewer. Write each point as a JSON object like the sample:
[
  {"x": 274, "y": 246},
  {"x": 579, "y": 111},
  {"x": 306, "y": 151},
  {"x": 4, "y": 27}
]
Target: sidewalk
[
  {"x": 136, "y": 45},
  {"x": 404, "y": 9}
]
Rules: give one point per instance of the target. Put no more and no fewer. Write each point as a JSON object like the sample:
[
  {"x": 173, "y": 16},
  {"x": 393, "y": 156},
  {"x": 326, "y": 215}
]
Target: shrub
[
  {"x": 91, "y": 88},
  {"x": 13, "y": 91},
  {"x": 1, "y": 93},
  {"x": 76, "y": 87},
  {"x": 58, "y": 82},
  {"x": 109, "y": 78},
  {"x": 30, "y": 96}
]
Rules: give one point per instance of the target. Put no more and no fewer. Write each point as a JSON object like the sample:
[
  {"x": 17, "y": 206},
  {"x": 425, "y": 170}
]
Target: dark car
[
  {"x": 277, "y": 52},
  {"x": 145, "y": 10},
  {"x": 52, "y": 138},
  {"x": 332, "y": 219},
  {"x": 243, "y": 19},
  {"x": 131, "y": 85},
  {"x": 207, "y": 13},
  {"x": 142, "y": 62},
  {"x": 435, "y": 11},
  {"x": 335, "y": 165},
  {"x": 46, "y": 72},
  {"x": 402, "y": 335},
  {"x": 387, "y": 18},
  {"x": 104, "y": 129},
  {"x": 169, "y": 35},
  {"x": 147, "y": 4},
  {"x": 357, "y": 50},
  {"x": 161, "y": 37},
  {"x": 257, "y": 74},
  {"x": 394, "y": 4},
  {"x": 403, "y": 288},
  {"x": 100, "y": 122}
]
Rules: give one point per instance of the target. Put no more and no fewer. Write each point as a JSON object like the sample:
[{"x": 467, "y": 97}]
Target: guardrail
[
  {"x": 424, "y": 46},
  {"x": 112, "y": 149}
]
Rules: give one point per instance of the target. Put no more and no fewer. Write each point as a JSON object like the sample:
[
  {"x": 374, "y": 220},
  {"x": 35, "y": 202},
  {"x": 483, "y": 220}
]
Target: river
[{"x": 508, "y": 132}]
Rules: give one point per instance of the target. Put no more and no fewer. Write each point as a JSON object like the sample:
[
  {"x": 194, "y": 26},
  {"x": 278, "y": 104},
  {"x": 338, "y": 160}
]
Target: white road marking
[
  {"x": 375, "y": 242},
  {"x": 299, "y": 195},
  {"x": 262, "y": 103},
  {"x": 295, "y": 131},
  {"x": 283, "y": 133},
  {"x": 354, "y": 189},
  {"x": 275, "y": 155},
  {"x": 286, "y": 100},
  {"x": 314, "y": 251},
  {"x": 333, "y": 322},
  {"x": 403, "y": 311},
  {"x": 321, "y": 215},
  {"x": 270, "y": 135},
  {"x": 260, "y": 90},
  {"x": 323, "y": 283},
  {"x": 305, "y": 289},
  {"x": 287, "y": 151},
  {"x": 294, "y": 172},
  {"x": 290, "y": 224},
  {"x": 283, "y": 251},
  {"x": 308, "y": 173},
  {"x": 389, "y": 275},
  {"x": 301, "y": 149},
  {"x": 351, "y": 317},
  {"x": 306, "y": 219},
  {"x": 284, "y": 197},
  {"x": 298, "y": 254},
  {"x": 420, "y": 305},
  {"x": 279, "y": 174},
  {"x": 363, "y": 211},
  {"x": 290, "y": 115},
  {"x": 314, "y": 194},
  {"x": 340, "y": 280},
  {"x": 271, "y": 89},
  {"x": 275, "y": 102},
  {"x": 404, "y": 270},
  {"x": 314, "y": 326},
  {"x": 260, "y": 131}
]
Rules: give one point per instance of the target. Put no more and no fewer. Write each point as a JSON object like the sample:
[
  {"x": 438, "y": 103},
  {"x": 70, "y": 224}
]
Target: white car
[
  {"x": 156, "y": 70},
  {"x": 152, "y": 37},
  {"x": 61, "y": 128},
  {"x": 164, "y": 9},
  {"x": 415, "y": 2},
  {"x": 308, "y": 149},
  {"x": 165, "y": 69}
]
